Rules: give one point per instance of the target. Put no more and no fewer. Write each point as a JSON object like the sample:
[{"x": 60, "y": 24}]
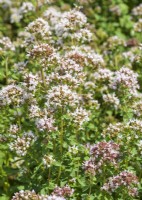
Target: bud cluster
[
  {"x": 101, "y": 154},
  {"x": 124, "y": 179}
]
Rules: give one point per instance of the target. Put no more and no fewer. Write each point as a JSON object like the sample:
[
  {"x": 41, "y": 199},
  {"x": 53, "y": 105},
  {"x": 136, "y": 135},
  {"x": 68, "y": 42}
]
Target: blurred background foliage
[{"x": 110, "y": 17}]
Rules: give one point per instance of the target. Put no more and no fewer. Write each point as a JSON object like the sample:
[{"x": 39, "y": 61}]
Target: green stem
[
  {"x": 54, "y": 147},
  {"x": 6, "y": 70},
  {"x": 76, "y": 132},
  {"x": 90, "y": 187},
  {"x": 37, "y": 6},
  {"x": 49, "y": 172},
  {"x": 59, "y": 174},
  {"x": 61, "y": 143},
  {"x": 43, "y": 77},
  {"x": 61, "y": 132}
]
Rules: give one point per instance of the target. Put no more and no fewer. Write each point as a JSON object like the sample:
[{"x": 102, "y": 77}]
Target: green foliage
[{"x": 74, "y": 102}]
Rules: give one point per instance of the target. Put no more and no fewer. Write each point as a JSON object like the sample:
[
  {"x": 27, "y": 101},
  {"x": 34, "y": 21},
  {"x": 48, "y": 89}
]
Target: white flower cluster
[
  {"x": 5, "y": 3},
  {"x": 69, "y": 72},
  {"x": 90, "y": 85},
  {"x": 139, "y": 144},
  {"x": 6, "y": 44},
  {"x": 126, "y": 78},
  {"x": 101, "y": 154},
  {"x": 42, "y": 50},
  {"x": 26, "y": 7},
  {"x": 15, "y": 15},
  {"x": 54, "y": 197},
  {"x": 124, "y": 179},
  {"x": 22, "y": 38},
  {"x": 27, "y": 195},
  {"x": 131, "y": 130},
  {"x": 77, "y": 55},
  {"x": 137, "y": 11},
  {"x": 53, "y": 15},
  {"x": 21, "y": 195},
  {"x": 64, "y": 191},
  {"x": 31, "y": 81},
  {"x": 40, "y": 117},
  {"x": 135, "y": 124},
  {"x": 95, "y": 59},
  {"x": 44, "y": 2},
  {"x": 80, "y": 116},
  {"x": 113, "y": 130},
  {"x": 46, "y": 124},
  {"x": 13, "y": 130},
  {"x": 129, "y": 55},
  {"x": 22, "y": 144},
  {"x": 39, "y": 27},
  {"x": 137, "y": 108},
  {"x": 69, "y": 21},
  {"x": 73, "y": 149},
  {"x": 68, "y": 25},
  {"x": 70, "y": 66},
  {"x": 67, "y": 78},
  {"x": 103, "y": 74},
  {"x": 61, "y": 95},
  {"x": 111, "y": 99},
  {"x": 20, "y": 66},
  {"x": 35, "y": 111},
  {"x": 83, "y": 35},
  {"x": 85, "y": 57},
  {"x": 138, "y": 26},
  {"x": 48, "y": 160},
  {"x": 18, "y": 13},
  {"x": 12, "y": 95}
]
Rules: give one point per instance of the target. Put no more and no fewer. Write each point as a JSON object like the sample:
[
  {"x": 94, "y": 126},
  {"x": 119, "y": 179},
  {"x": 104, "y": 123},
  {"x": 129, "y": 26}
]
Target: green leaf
[
  {"x": 81, "y": 182},
  {"x": 4, "y": 198}
]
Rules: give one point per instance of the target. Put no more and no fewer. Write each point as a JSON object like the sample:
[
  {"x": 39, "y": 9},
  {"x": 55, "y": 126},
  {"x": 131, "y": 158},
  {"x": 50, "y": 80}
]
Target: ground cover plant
[{"x": 70, "y": 100}]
